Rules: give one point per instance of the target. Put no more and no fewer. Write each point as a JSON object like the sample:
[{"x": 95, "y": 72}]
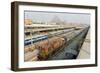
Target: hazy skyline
[{"x": 49, "y": 16}]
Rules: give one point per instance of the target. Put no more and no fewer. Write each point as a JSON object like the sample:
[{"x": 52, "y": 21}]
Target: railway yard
[{"x": 53, "y": 42}]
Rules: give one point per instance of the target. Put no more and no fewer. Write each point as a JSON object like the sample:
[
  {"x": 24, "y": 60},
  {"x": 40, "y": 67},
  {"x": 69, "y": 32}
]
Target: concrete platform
[{"x": 85, "y": 50}]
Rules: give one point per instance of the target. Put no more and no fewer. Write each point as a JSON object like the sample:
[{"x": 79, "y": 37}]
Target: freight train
[{"x": 49, "y": 46}]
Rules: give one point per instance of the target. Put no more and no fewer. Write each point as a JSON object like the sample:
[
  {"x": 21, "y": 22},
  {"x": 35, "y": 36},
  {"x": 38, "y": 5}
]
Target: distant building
[{"x": 28, "y": 21}]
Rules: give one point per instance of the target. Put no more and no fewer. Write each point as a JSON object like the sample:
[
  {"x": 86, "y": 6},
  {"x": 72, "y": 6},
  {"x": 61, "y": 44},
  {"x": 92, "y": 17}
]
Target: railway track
[
  {"x": 66, "y": 34},
  {"x": 44, "y": 37}
]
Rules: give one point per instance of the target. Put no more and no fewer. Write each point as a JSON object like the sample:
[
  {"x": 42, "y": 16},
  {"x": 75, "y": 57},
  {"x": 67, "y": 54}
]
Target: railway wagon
[
  {"x": 47, "y": 47},
  {"x": 34, "y": 40}
]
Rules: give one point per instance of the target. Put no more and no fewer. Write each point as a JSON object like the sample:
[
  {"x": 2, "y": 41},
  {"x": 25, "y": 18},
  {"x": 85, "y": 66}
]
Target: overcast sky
[{"x": 49, "y": 16}]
